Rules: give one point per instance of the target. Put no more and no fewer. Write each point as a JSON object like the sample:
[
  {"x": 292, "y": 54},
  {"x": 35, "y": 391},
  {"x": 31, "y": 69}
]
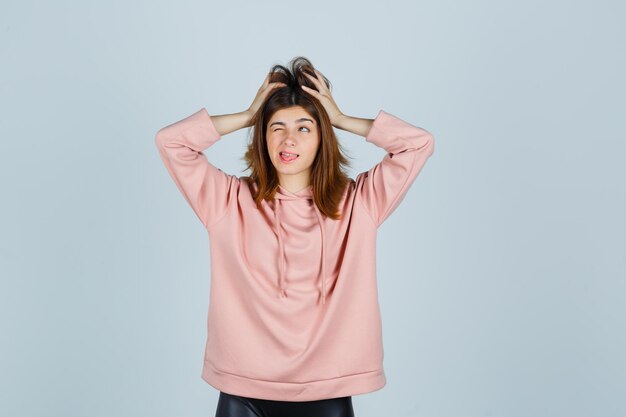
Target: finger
[
  {"x": 315, "y": 81},
  {"x": 271, "y": 87},
  {"x": 311, "y": 77},
  {"x": 310, "y": 91},
  {"x": 268, "y": 85},
  {"x": 321, "y": 77}
]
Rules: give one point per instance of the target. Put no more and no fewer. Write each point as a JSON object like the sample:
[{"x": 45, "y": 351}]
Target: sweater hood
[{"x": 283, "y": 196}]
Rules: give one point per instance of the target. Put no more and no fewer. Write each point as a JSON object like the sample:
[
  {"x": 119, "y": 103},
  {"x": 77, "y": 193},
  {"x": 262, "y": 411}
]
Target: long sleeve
[
  {"x": 206, "y": 188},
  {"x": 383, "y": 187}
]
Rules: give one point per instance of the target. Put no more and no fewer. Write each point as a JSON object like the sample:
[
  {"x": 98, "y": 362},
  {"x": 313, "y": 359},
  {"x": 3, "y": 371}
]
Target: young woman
[{"x": 294, "y": 325}]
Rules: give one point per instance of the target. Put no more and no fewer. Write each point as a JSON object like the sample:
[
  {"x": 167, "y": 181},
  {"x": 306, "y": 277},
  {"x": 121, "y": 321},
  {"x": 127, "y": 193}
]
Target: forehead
[{"x": 291, "y": 115}]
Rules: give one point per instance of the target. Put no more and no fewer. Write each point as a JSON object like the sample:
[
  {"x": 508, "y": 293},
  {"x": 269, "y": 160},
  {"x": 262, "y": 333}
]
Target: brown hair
[{"x": 327, "y": 176}]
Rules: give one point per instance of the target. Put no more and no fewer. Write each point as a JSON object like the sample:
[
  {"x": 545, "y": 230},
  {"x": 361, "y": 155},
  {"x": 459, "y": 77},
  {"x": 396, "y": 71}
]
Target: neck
[{"x": 294, "y": 185}]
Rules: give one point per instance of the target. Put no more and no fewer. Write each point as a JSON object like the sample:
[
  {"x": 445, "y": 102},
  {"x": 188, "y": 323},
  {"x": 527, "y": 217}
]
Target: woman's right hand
[{"x": 265, "y": 89}]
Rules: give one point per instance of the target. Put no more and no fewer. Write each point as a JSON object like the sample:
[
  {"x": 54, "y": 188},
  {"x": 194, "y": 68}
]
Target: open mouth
[{"x": 288, "y": 157}]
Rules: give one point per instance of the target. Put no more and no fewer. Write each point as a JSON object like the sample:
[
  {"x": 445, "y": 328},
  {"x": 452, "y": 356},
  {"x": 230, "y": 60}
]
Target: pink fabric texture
[{"x": 293, "y": 307}]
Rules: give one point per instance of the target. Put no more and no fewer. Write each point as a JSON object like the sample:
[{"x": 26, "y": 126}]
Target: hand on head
[
  {"x": 265, "y": 89},
  {"x": 324, "y": 96}
]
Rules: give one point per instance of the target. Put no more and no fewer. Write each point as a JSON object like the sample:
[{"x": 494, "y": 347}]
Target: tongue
[{"x": 289, "y": 158}]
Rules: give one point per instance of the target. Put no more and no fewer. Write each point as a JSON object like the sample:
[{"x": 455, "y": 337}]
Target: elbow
[
  {"x": 426, "y": 142},
  {"x": 160, "y": 138},
  {"x": 430, "y": 145}
]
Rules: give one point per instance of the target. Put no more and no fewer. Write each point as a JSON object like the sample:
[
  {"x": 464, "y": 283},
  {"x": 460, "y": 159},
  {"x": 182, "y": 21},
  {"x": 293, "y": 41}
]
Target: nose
[{"x": 290, "y": 139}]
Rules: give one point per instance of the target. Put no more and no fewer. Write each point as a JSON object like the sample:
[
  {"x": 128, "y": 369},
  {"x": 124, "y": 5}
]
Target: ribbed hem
[{"x": 287, "y": 391}]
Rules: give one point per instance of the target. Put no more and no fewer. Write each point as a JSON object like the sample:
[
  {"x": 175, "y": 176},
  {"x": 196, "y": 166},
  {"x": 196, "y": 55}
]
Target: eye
[{"x": 301, "y": 127}]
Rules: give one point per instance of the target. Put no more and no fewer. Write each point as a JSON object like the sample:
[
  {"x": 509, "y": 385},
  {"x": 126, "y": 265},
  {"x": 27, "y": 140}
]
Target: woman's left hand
[{"x": 324, "y": 96}]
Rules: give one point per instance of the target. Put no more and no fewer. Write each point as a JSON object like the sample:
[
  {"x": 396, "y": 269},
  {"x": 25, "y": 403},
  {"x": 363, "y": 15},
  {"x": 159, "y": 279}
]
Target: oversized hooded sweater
[{"x": 293, "y": 307}]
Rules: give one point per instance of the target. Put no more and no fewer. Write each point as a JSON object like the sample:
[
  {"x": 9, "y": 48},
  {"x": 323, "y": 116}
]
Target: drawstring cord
[
  {"x": 319, "y": 219},
  {"x": 281, "y": 278},
  {"x": 281, "y": 286}
]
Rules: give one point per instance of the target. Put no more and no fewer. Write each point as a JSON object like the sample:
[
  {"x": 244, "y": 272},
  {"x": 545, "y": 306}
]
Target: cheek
[
  {"x": 315, "y": 149},
  {"x": 270, "y": 143}
]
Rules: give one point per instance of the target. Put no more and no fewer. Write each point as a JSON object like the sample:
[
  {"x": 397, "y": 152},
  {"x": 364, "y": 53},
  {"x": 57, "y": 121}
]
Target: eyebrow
[{"x": 302, "y": 119}]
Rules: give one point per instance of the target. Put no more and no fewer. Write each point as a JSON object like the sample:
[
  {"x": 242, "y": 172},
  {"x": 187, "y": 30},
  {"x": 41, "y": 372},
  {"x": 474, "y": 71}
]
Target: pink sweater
[{"x": 293, "y": 310}]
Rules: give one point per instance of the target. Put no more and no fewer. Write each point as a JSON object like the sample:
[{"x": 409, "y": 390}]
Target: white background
[{"x": 502, "y": 274}]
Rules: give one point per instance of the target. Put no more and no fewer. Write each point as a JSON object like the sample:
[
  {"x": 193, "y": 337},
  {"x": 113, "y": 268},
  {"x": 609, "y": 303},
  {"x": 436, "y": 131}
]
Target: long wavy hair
[{"x": 328, "y": 177}]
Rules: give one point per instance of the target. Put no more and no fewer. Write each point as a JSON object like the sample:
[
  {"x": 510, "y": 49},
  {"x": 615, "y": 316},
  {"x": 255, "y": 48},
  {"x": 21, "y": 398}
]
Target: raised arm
[
  {"x": 206, "y": 188},
  {"x": 383, "y": 187}
]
